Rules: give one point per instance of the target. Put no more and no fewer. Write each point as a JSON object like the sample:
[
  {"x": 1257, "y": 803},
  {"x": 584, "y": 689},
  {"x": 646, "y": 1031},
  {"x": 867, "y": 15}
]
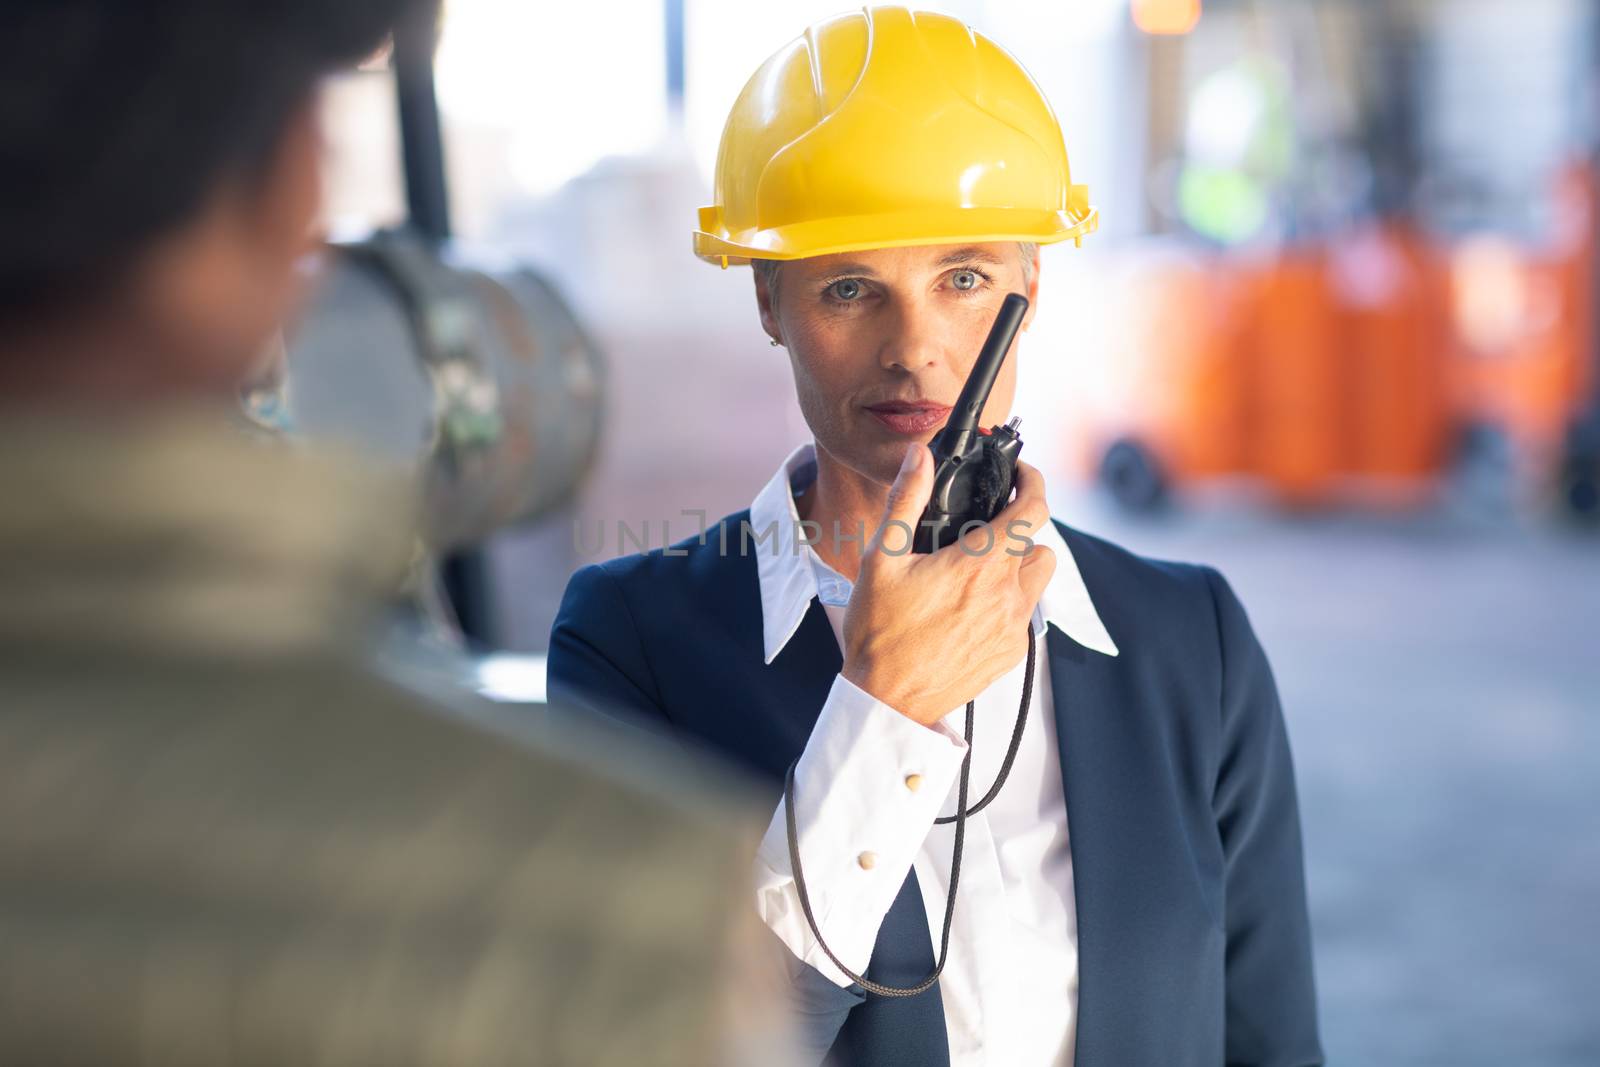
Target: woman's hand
[{"x": 927, "y": 633}]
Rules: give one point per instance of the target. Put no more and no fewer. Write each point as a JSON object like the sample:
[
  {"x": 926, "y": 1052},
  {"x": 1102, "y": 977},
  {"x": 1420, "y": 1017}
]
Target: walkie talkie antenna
[{"x": 963, "y": 421}]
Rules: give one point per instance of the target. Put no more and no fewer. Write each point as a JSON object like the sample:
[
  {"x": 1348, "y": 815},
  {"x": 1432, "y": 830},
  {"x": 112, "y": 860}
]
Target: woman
[{"x": 890, "y": 175}]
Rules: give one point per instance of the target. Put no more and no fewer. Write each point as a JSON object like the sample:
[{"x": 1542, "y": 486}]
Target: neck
[
  {"x": 846, "y": 500},
  {"x": 95, "y": 366}
]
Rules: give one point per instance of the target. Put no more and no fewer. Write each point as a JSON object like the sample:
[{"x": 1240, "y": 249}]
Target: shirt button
[
  {"x": 913, "y": 782},
  {"x": 867, "y": 860}
]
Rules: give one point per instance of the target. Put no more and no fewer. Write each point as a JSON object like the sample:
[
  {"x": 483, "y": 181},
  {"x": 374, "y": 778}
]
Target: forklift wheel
[
  {"x": 1580, "y": 470},
  {"x": 1583, "y": 498},
  {"x": 1133, "y": 477}
]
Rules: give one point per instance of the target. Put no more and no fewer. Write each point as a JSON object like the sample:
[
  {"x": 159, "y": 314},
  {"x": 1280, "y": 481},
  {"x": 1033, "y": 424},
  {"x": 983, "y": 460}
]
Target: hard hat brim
[{"x": 824, "y": 237}]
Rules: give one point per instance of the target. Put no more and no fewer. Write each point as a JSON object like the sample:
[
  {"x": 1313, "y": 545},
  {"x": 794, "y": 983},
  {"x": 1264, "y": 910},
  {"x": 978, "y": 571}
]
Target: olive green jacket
[{"x": 225, "y": 839}]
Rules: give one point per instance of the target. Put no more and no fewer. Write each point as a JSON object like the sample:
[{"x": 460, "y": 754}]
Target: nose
[{"x": 914, "y": 341}]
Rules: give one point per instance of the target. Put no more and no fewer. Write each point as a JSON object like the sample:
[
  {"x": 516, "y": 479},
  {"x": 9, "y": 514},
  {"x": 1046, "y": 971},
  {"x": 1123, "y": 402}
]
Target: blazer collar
[{"x": 792, "y": 574}]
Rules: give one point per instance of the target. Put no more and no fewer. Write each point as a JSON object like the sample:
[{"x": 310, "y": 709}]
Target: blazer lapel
[{"x": 1099, "y": 763}]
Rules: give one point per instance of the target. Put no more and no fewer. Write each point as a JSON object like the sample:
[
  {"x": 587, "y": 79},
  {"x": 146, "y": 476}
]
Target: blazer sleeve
[
  {"x": 1270, "y": 1001},
  {"x": 597, "y": 664}
]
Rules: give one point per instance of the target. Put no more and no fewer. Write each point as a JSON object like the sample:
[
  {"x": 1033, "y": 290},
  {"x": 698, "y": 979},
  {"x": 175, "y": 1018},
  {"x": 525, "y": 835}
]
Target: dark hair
[{"x": 119, "y": 118}]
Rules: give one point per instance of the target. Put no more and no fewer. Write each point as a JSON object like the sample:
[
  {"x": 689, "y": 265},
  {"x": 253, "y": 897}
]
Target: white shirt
[{"x": 1009, "y": 988}]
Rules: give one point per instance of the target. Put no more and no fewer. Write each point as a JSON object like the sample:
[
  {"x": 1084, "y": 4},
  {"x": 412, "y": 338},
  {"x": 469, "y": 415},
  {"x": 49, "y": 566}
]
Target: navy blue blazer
[{"x": 1194, "y": 945}]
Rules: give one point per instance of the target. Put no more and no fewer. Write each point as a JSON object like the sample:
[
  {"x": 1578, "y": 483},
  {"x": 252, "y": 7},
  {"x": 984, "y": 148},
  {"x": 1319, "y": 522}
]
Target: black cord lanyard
[{"x": 959, "y": 818}]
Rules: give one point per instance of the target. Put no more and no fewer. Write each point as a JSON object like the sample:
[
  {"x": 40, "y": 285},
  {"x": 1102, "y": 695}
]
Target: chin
[
  {"x": 883, "y": 465},
  {"x": 875, "y": 456}
]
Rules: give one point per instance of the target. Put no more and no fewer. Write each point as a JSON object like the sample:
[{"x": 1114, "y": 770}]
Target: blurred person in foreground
[
  {"x": 224, "y": 838},
  {"x": 890, "y": 175}
]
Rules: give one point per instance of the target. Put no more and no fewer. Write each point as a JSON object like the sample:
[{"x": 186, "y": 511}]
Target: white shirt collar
[{"x": 791, "y": 573}]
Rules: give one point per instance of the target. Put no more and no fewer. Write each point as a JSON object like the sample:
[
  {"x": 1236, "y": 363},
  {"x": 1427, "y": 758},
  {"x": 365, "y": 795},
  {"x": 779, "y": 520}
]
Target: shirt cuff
[{"x": 867, "y": 789}]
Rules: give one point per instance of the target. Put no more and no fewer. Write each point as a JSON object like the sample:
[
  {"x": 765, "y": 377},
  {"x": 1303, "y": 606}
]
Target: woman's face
[{"x": 882, "y": 341}]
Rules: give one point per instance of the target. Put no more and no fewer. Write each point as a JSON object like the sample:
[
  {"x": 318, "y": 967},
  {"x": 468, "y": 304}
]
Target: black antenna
[{"x": 953, "y": 439}]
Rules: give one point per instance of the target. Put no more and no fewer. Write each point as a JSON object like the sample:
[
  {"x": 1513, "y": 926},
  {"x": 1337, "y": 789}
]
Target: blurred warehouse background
[{"x": 1336, "y": 336}]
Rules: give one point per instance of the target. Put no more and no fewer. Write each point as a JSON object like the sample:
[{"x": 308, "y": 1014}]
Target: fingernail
[{"x": 911, "y": 459}]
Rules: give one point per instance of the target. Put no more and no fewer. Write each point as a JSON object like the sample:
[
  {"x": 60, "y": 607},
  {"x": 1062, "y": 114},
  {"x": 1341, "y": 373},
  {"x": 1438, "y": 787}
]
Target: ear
[
  {"x": 218, "y": 288},
  {"x": 1033, "y": 289},
  {"x": 766, "y": 303},
  {"x": 289, "y": 209}
]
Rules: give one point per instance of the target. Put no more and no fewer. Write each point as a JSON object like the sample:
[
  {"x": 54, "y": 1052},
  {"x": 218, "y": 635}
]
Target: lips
[{"x": 910, "y": 416}]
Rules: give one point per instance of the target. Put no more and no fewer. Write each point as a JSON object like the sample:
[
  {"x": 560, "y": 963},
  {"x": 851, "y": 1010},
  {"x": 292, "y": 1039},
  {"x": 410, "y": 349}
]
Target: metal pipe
[
  {"x": 674, "y": 43},
  {"x": 464, "y": 574},
  {"x": 421, "y": 137}
]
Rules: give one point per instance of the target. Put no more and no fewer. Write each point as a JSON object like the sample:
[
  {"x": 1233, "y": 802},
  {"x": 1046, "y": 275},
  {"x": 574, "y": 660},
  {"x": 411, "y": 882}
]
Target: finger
[
  {"x": 908, "y": 497},
  {"x": 982, "y": 538},
  {"x": 1028, "y": 509},
  {"x": 1029, "y": 482},
  {"x": 1038, "y": 567}
]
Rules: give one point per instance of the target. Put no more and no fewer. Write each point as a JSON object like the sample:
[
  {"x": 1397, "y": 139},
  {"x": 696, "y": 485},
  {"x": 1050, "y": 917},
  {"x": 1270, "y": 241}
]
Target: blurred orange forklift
[
  {"x": 1370, "y": 364},
  {"x": 1358, "y": 370}
]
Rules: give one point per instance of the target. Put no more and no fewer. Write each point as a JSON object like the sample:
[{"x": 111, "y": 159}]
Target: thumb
[{"x": 908, "y": 496}]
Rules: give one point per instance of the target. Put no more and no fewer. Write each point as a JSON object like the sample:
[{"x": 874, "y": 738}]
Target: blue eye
[
  {"x": 964, "y": 279},
  {"x": 845, "y": 289}
]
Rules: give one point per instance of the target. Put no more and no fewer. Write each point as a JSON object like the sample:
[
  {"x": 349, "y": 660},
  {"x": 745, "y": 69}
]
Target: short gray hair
[{"x": 768, "y": 268}]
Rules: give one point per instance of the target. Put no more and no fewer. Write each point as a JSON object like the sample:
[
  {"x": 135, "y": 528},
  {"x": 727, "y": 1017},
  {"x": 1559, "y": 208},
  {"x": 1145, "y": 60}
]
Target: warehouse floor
[{"x": 1441, "y": 684}]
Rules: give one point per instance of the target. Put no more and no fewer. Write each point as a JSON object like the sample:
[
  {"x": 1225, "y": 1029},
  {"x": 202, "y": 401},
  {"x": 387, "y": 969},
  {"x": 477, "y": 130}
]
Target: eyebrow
[
  {"x": 970, "y": 254},
  {"x": 849, "y": 270}
]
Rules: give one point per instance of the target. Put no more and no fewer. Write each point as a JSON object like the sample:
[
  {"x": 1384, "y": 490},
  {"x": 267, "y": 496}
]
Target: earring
[{"x": 773, "y": 342}]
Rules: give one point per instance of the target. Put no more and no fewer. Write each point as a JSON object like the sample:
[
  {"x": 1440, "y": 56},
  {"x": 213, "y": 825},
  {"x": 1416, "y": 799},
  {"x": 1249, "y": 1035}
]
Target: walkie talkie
[{"x": 974, "y": 469}]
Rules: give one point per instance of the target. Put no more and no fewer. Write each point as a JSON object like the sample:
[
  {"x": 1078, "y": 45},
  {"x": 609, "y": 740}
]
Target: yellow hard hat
[{"x": 888, "y": 127}]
